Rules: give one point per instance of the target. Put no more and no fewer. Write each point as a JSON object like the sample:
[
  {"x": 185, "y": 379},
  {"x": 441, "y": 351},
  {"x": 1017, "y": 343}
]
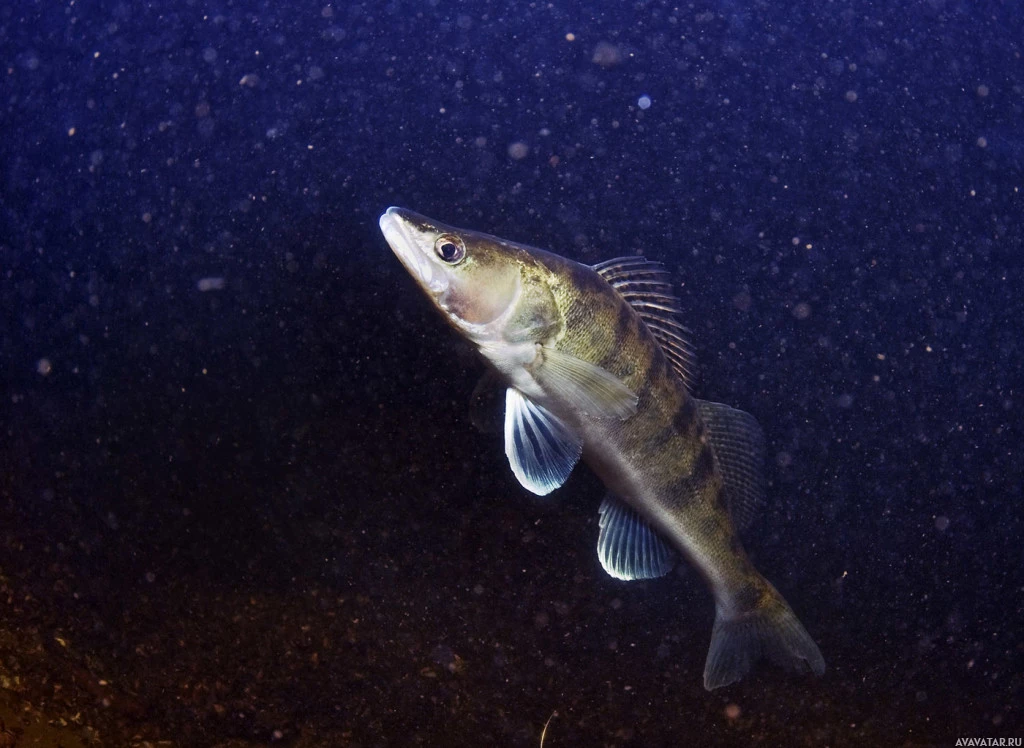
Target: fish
[{"x": 596, "y": 367}]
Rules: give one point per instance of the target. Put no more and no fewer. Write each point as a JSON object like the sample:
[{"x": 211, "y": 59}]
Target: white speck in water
[
  {"x": 210, "y": 284},
  {"x": 644, "y": 102},
  {"x": 518, "y": 150}
]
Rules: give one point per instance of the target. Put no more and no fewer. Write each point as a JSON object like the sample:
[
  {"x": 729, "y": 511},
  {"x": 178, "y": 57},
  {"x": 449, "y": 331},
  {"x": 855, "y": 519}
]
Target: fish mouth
[{"x": 408, "y": 245}]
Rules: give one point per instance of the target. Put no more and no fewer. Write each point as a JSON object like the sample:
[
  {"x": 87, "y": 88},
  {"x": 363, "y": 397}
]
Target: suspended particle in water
[
  {"x": 210, "y": 284},
  {"x": 742, "y": 301},
  {"x": 518, "y": 150},
  {"x": 802, "y": 310},
  {"x": 606, "y": 55}
]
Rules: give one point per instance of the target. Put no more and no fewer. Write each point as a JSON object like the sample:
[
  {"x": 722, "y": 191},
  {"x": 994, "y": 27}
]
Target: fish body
[{"x": 595, "y": 364}]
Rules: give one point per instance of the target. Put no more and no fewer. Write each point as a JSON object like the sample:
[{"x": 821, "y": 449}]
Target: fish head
[{"x": 491, "y": 290}]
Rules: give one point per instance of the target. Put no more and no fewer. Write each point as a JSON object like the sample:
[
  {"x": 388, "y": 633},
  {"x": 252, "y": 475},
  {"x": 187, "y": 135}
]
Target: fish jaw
[
  {"x": 479, "y": 292},
  {"x": 411, "y": 246}
]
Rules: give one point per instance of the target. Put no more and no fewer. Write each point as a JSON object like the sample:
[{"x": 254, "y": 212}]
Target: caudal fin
[{"x": 770, "y": 631}]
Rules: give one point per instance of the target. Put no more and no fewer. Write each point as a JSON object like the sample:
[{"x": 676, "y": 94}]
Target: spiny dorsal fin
[
  {"x": 647, "y": 287},
  {"x": 738, "y": 442}
]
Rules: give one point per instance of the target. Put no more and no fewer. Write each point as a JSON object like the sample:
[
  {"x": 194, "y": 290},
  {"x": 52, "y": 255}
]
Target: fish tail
[{"x": 769, "y": 630}]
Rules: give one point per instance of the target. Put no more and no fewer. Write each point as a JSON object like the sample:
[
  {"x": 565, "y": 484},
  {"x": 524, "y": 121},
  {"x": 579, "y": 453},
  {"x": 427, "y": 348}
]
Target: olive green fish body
[
  {"x": 660, "y": 460},
  {"x": 595, "y": 366}
]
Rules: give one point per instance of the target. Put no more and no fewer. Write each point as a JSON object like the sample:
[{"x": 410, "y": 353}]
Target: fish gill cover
[{"x": 241, "y": 497}]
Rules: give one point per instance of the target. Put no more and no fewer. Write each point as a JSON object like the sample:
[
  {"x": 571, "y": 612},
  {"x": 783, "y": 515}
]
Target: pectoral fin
[
  {"x": 541, "y": 449},
  {"x": 592, "y": 390},
  {"x": 629, "y": 548},
  {"x": 487, "y": 404}
]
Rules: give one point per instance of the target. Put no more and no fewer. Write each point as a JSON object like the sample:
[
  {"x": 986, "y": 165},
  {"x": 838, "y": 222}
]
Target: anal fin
[{"x": 628, "y": 547}]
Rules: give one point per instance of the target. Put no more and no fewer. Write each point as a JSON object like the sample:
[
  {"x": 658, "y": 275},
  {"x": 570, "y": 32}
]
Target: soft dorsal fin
[
  {"x": 541, "y": 449},
  {"x": 628, "y": 547},
  {"x": 647, "y": 287},
  {"x": 738, "y": 443}
]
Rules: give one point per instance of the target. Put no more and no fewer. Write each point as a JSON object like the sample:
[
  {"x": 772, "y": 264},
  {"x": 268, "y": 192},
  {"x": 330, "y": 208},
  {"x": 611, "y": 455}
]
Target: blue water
[{"x": 237, "y": 471}]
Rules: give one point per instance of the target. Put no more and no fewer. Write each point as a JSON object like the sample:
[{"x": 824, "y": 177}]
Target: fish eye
[{"x": 450, "y": 249}]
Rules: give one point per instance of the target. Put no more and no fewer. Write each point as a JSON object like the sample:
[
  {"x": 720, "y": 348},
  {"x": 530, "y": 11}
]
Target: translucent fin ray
[
  {"x": 487, "y": 403},
  {"x": 647, "y": 287},
  {"x": 738, "y": 442},
  {"x": 627, "y": 546},
  {"x": 541, "y": 449},
  {"x": 627, "y": 265},
  {"x": 592, "y": 390},
  {"x": 770, "y": 631}
]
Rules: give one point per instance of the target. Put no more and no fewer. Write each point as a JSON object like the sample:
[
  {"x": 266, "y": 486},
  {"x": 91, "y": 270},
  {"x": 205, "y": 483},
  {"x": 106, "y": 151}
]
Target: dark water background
[{"x": 259, "y": 514}]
